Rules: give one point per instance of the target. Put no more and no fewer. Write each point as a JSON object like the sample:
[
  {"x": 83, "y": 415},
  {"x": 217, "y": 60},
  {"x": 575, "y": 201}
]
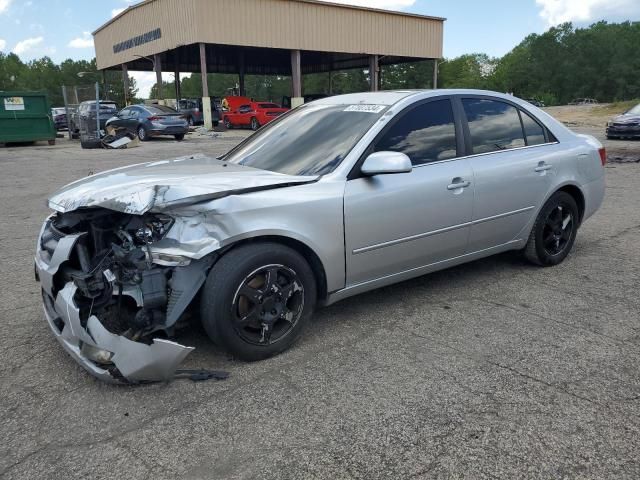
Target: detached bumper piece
[{"x": 75, "y": 321}]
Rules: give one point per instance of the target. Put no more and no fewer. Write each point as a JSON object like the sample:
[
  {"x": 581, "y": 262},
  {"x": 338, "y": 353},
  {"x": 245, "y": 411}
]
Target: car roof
[{"x": 391, "y": 97}]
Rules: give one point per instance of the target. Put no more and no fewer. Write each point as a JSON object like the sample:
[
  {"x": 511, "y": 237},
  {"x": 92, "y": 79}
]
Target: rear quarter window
[{"x": 533, "y": 130}]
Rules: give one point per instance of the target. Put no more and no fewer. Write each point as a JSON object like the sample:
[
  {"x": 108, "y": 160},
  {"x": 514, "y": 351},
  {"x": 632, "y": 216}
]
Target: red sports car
[{"x": 253, "y": 114}]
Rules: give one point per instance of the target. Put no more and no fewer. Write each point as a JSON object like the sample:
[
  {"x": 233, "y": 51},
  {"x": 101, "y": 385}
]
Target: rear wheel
[
  {"x": 191, "y": 123},
  {"x": 258, "y": 299},
  {"x": 227, "y": 123},
  {"x": 142, "y": 134},
  {"x": 554, "y": 232},
  {"x": 255, "y": 125}
]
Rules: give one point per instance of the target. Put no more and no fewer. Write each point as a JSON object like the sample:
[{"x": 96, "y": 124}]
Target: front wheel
[
  {"x": 255, "y": 125},
  {"x": 227, "y": 123},
  {"x": 179, "y": 137},
  {"x": 258, "y": 299},
  {"x": 554, "y": 232}
]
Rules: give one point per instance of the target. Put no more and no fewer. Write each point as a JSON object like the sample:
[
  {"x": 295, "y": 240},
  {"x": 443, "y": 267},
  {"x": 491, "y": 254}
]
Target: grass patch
[{"x": 616, "y": 108}]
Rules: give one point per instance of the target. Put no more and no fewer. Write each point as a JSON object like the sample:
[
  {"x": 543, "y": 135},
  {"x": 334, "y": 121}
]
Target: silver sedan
[{"x": 337, "y": 197}]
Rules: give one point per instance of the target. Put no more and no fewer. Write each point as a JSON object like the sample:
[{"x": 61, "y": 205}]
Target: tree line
[{"x": 600, "y": 61}]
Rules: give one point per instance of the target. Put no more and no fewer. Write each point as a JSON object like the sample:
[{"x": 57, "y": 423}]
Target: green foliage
[
  {"x": 564, "y": 63},
  {"x": 44, "y": 75}
]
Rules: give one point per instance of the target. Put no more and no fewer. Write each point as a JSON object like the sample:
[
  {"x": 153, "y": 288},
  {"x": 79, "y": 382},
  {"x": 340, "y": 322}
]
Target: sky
[{"x": 62, "y": 29}]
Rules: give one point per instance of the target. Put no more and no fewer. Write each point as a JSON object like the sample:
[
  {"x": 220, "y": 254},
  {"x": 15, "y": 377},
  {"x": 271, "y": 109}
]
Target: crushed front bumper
[{"x": 109, "y": 357}]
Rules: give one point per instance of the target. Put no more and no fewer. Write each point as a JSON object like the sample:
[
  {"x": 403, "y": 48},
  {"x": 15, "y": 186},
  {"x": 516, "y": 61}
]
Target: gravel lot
[{"x": 494, "y": 369}]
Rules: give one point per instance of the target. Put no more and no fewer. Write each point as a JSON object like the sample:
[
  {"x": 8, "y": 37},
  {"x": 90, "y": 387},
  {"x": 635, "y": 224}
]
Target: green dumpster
[{"x": 25, "y": 117}]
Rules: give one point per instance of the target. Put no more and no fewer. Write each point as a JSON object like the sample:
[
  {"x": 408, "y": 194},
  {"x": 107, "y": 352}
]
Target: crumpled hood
[{"x": 158, "y": 185}]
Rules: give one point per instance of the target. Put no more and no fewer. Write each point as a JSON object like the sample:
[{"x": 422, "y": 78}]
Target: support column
[
  {"x": 435, "y": 73},
  {"x": 157, "y": 65},
  {"x": 374, "y": 72},
  {"x": 178, "y": 87},
  {"x": 206, "y": 100},
  {"x": 125, "y": 83},
  {"x": 296, "y": 80},
  {"x": 241, "y": 70},
  {"x": 104, "y": 85}
]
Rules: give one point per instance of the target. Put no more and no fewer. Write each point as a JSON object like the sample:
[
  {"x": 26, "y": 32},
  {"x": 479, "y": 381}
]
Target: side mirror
[{"x": 380, "y": 163}]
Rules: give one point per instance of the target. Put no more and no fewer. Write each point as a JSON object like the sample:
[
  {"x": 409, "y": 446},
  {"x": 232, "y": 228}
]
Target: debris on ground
[
  {"x": 205, "y": 132},
  {"x": 119, "y": 137}
]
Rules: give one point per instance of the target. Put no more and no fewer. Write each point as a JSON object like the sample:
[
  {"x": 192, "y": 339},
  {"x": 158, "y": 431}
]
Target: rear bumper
[{"x": 156, "y": 131}]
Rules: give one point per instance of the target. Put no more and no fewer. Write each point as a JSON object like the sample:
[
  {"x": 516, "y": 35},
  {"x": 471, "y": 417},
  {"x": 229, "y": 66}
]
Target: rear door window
[
  {"x": 426, "y": 133},
  {"x": 494, "y": 125}
]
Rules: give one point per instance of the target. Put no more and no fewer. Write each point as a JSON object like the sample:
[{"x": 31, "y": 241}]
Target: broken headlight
[{"x": 150, "y": 228}]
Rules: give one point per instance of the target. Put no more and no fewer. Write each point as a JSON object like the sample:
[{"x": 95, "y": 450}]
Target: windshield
[
  {"x": 310, "y": 140},
  {"x": 634, "y": 111}
]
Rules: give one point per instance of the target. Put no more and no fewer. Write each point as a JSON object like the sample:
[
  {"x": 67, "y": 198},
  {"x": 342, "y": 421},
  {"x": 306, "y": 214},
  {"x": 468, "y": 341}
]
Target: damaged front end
[{"x": 109, "y": 300}]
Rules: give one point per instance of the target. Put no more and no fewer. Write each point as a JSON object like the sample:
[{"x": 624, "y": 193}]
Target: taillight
[
  {"x": 603, "y": 156},
  {"x": 154, "y": 119}
]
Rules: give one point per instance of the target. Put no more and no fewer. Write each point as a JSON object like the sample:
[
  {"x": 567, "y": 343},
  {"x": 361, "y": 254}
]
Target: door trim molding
[
  {"x": 419, "y": 236},
  {"x": 365, "y": 286}
]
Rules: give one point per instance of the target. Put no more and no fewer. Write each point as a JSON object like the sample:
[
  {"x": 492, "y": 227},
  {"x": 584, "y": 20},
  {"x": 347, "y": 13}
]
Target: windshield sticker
[{"x": 365, "y": 108}]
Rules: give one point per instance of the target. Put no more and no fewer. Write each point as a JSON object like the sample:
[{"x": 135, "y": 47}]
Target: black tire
[
  {"x": 554, "y": 231},
  {"x": 191, "y": 122},
  {"x": 255, "y": 125},
  {"x": 91, "y": 144},
  {"x": 222, "y": 300},
  {"x": 227, "y": 123},
  {"x": 142, "y": 133},
  {"x": 179, "y": 137},
  {"x": 51, "y": 142}
]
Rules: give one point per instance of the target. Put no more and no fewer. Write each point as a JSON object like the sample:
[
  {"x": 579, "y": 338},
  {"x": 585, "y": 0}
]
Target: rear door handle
[
  {"x": 542, "y": 167},
  {"x": 459, "y": 184}
]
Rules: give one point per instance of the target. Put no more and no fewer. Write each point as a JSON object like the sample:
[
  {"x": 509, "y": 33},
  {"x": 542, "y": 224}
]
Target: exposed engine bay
[{"x": 109, "y": 299}]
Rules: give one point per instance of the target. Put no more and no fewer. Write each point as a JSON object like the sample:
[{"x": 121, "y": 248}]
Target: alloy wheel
[
  {"x": 267, "y": 304},
  {"x": 558, "y": 229}
]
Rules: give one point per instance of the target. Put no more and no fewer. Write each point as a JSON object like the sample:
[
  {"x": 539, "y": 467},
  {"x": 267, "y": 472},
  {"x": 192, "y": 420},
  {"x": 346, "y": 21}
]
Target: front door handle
[
  {"x": 542, "y": 167},
  {"x": 458, "y": 183}
]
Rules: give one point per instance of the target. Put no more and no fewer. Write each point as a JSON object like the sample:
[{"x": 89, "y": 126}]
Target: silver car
[{"x": 337, "y": 197}]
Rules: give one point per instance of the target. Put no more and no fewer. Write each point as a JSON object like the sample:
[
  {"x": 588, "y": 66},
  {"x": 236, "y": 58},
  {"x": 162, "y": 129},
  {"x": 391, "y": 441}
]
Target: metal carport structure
[{"x": 280, "y": 37}]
